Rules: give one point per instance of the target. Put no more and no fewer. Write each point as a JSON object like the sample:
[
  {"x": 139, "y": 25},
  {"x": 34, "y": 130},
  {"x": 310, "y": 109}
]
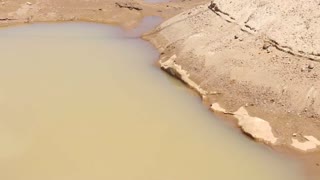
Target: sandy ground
[
  {"x": 126, "y": 13},
  {"x": 255, "y": 62}
]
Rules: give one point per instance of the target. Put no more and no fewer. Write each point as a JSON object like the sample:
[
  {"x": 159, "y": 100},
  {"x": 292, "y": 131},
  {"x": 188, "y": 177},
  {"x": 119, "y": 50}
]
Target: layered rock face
[{"x": 259, "y": 55}]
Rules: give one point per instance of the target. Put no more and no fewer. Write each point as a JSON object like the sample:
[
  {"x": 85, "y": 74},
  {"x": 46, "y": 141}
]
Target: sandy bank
[
  {"x": 126, "y": 13},
  {"x": 260, "y": 57}
]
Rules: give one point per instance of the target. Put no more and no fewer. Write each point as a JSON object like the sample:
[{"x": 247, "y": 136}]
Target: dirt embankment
[
  {"x": 126, "y": 13},
  {"x": 256, "y": 61}
]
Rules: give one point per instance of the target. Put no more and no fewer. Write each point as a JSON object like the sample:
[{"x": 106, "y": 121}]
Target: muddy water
[{"x": 80, "y": 101}]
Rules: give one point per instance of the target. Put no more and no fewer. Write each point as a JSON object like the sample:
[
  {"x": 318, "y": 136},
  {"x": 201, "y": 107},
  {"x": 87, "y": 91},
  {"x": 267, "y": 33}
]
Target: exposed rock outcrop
[
  {"x": 309, "y": 143},
  {"x": 256, "y": 128}
]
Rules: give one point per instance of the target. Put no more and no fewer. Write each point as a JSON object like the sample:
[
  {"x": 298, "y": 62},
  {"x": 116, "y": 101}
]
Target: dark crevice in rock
[
  {"x": 128, "y": 6},
  {"x": 6, "y": 19},
  {"x": 297, "y": 53},
  {"x": 214, "y": 7}
]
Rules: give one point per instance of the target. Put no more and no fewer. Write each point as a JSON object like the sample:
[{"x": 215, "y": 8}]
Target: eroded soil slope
[{"x": 256, "y": 61}]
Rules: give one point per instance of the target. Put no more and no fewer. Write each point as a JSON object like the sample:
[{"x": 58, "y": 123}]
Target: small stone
[
  {"x": 213, "y": 93},
  {"x": 312, "y": 116},
  {"x": 284, "y": 89},
  {"x": 266, "y": 46},
  {"x": 294, "y": 135},
  {"x": 311, "y": 66},
  {"x": 248, "y": 104},
  {"x": 29, "y": 3},
  {"x": 303, "y": 69},
  {"x": 236, "y": 37}
]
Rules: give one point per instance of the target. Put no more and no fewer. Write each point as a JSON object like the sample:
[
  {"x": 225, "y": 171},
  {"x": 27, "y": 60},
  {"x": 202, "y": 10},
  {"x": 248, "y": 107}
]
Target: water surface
[{"x": 80, "y": 101}]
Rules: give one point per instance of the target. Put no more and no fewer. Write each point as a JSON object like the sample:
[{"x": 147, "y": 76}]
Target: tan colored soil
[
  {"x": 131, "y": 12},
  {"x": 262, "y": 56},
  {"x": 242, "y": 55}
]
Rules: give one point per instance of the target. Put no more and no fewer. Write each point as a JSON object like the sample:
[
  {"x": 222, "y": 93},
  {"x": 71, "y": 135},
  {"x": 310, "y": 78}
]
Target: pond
[{"x": 83, "y": 101}]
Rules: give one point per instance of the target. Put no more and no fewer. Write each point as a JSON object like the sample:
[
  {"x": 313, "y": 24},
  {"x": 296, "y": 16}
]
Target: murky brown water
[{"x": 80, "y": 101}]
